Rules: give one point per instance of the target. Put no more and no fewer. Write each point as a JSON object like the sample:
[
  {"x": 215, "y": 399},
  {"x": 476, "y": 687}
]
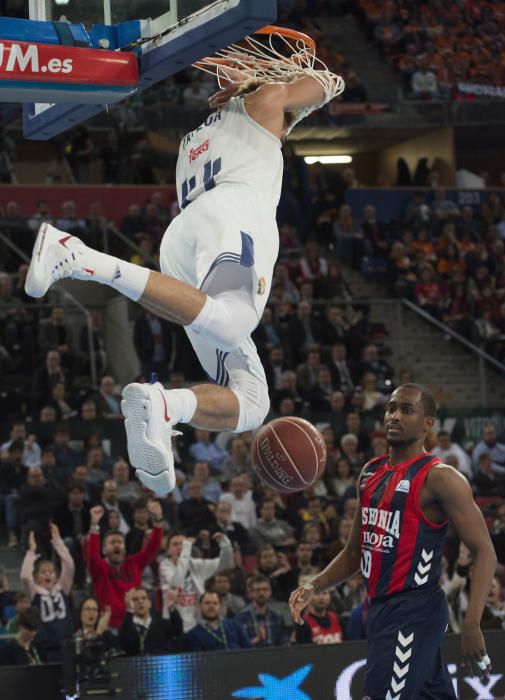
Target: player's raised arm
[
  {"x": 452, "y": 491},
  {"x": 307, "y": 91},
  {"x": 279, "y": 106},
  {"x": 304, "y": 92}
]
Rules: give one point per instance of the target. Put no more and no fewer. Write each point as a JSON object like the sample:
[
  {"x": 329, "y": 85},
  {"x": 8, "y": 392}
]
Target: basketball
[{"x": 288, "y": 454}]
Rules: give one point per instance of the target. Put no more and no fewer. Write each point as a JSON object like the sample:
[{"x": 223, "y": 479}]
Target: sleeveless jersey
[
  {"x": 229, "y": 148},
  {"x": 332, "y": 634},
  {"x": 56, "y": 617},
  {"x": 400, "y": 548}
]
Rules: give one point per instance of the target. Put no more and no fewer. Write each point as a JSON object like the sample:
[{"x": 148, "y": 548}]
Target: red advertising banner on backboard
[{"x": 48, "y": 72}]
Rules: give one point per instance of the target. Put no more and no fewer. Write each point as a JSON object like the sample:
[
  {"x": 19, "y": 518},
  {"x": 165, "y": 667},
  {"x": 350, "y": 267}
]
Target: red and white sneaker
[
  {"x": 149, "y": 435},
  {"x": 56, "y": 255}
]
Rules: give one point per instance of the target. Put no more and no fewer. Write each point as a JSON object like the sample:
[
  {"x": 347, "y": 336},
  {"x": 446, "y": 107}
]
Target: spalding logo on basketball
[{"x": 288, "y": 454}]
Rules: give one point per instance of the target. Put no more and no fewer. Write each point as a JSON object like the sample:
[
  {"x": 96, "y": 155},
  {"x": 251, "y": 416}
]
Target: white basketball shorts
[{"x": 222, "y": 241}]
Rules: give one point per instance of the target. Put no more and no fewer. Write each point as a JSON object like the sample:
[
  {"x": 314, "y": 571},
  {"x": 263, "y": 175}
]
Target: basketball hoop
[
  {"x": 253, "y": 55},
  {"x": 274, "y": 54}
]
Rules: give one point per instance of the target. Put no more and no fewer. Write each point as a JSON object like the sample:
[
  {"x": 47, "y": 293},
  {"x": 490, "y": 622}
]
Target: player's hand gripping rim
[
  {"x": 299, "y": 599},
  {"x": 475, "y": 658}
]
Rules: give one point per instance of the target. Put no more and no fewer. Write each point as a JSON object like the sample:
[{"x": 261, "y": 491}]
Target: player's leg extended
[
  {"x": 151, "y": 411},
  {"x": 238, "y": 398},
  {"x": 241, "y": 404},
  {"x": 56, "y": 256},
  {"x": 225, "y": 319}
]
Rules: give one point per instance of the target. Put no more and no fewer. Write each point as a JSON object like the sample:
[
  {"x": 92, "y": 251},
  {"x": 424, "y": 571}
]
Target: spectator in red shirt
[
  {"x": 320, "y": 624},
  {"x": 428, "y": 293},
  {"x": 115, "y": 574}
]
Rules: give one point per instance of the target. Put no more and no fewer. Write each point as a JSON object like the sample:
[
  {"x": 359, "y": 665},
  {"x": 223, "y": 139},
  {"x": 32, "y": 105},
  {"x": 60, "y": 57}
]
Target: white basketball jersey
[{"x": 229, "y": 148}]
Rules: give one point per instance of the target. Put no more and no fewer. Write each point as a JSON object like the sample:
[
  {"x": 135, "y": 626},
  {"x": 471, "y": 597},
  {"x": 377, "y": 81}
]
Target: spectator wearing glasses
[{"x": 93, "y": 625}]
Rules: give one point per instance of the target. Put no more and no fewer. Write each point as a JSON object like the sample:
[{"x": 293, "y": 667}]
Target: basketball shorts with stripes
[
  {"x": 221, "y": 243},
  {"x": 405, "y": 633}
]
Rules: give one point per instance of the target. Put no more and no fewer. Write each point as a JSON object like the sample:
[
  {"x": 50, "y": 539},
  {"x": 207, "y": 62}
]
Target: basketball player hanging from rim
[
  {"x": 217, "y": 256},
  {"x": 406, "y": 499}
]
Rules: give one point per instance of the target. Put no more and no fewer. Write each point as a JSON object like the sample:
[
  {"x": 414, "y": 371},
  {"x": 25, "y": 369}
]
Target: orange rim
[
  {"x": 288, "y": 34},
  {"x": 269, "y": 29}
]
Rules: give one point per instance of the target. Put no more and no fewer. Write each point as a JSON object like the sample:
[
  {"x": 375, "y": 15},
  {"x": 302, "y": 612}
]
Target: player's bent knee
[
  {"x": 226, "y": 319},
  {"x": 253, "y": 399}
]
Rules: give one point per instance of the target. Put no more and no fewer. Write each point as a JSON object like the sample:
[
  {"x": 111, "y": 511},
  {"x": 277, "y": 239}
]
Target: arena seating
[
  {"x": 62, "y": 439},
  {"x": 459, "y": 44}
]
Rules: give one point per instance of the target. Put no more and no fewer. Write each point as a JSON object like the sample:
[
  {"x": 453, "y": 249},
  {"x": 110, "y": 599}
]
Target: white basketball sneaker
[
  {"x": 149, "y": 433},
  {"x": 56, "y": 255}
]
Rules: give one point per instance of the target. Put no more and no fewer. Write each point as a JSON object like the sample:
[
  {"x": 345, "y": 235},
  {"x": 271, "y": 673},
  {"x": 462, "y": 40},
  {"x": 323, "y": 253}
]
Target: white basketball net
[{"x": 270, "y": 61}]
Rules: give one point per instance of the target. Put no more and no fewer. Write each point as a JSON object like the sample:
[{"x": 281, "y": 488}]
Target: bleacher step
[{"x": 446, "y": 366}]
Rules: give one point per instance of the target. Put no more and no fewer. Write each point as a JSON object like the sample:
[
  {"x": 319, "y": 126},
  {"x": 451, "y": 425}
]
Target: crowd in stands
[
  {"x": 448, "y": 259},
  {"x": 179, "y": 102},
  {"x": 438, "y": 46},
  {"x": 212, "y": 565}
]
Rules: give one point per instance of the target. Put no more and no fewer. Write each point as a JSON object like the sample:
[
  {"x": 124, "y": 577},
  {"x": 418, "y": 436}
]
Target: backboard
[{"x": 184, "y": 31}]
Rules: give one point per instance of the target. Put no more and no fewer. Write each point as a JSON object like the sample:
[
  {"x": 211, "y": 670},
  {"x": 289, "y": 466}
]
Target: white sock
[
  {"x": 182, "y": 405},
  {"x": 125, "y": 277}
]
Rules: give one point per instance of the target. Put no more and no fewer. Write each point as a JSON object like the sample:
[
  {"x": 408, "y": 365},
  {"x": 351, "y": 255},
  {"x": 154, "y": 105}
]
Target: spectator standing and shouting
[
  {"x": 115, "y": 574},
  {"x": 188, "y": 574}
]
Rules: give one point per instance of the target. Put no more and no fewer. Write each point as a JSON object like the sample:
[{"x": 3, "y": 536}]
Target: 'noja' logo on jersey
[{"x": 387, "y": 520}]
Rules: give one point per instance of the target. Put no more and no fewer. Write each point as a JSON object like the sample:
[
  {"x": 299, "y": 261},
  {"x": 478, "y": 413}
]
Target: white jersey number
[
  {"x": 52, "y": 608},
  {"x": 366, "y": 563}
]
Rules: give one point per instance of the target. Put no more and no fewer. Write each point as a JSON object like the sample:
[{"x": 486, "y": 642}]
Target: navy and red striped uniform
[
  {"x": 401, "y": 552},
  {"x": 400, "y": 548}
]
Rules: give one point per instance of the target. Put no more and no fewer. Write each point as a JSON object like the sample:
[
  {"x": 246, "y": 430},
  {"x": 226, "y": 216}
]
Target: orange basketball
[{"x": 288, "y": 454}]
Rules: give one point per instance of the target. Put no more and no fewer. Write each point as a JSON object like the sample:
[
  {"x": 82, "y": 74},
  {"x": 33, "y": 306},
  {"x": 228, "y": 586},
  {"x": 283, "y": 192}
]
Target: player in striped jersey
[{"x": 407, "y": 498}]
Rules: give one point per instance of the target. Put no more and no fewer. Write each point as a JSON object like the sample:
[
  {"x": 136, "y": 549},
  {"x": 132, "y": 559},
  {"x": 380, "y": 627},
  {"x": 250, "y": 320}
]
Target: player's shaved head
[{"x": 426, "y": 397}]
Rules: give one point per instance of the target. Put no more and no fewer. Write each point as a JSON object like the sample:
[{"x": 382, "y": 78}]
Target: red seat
[
  {"x": 249, "y": 563},
  {"x": 485, "y": 501}
]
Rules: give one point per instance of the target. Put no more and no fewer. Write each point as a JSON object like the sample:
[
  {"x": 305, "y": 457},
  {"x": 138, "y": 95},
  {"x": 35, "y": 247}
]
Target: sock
[
  {"x": 127, "y": 278},
  {"x": 182, "y": 405}
]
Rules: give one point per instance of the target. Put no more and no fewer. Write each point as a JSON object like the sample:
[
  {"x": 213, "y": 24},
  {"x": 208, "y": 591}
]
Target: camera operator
[{"x": 22, "y": 651}]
